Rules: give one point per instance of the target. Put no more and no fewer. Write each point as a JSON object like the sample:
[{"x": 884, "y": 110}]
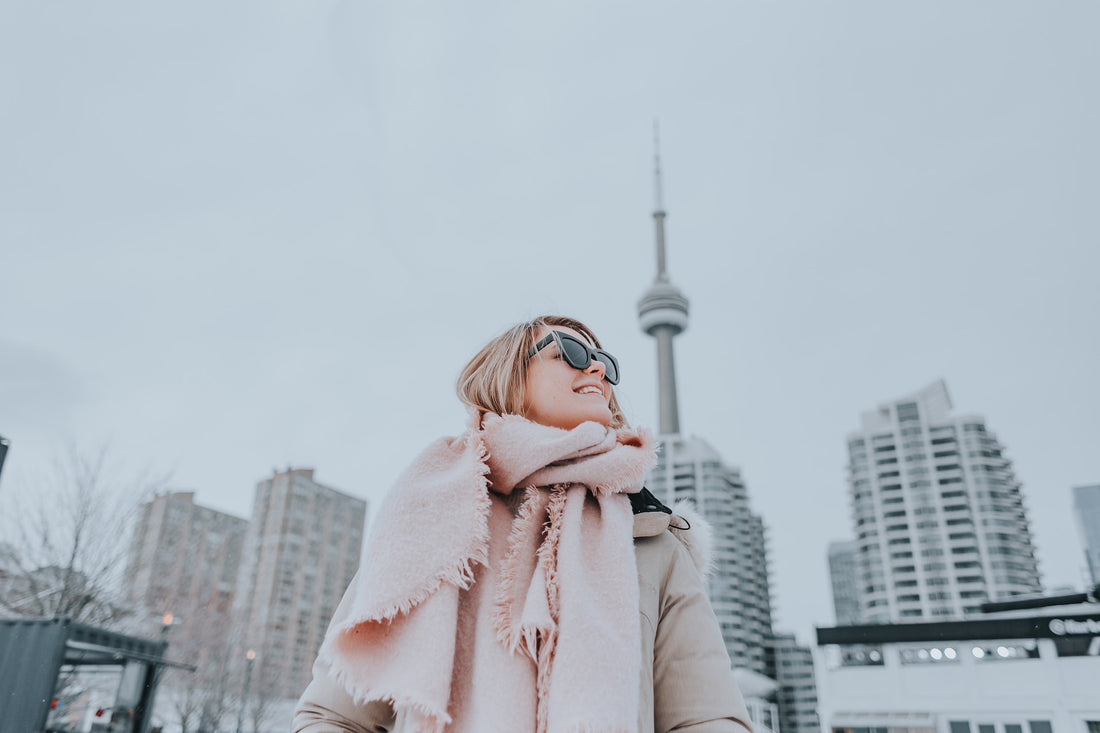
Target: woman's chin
[
  {"x": 602, "y": 417},
  {"x": 579, "y": 420}
]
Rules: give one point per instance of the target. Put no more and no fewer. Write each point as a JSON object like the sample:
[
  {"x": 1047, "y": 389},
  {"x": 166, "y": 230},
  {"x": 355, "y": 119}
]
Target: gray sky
[{"x": 237, "y": 236}]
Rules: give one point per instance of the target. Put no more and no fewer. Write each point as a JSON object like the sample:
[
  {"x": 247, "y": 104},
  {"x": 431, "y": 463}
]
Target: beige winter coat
[{"x": 686, "y": 682}]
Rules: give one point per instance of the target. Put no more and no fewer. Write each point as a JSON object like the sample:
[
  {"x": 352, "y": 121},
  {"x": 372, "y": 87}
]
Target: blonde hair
[{"x": 495, "y": 380}]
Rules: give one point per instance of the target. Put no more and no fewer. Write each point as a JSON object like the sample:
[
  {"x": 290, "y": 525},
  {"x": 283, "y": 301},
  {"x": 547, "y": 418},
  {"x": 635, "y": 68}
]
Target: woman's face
[{"x": 561, "y": 396}]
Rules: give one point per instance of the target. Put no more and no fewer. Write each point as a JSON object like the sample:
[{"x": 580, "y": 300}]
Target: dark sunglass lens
[
  {"x": 575, "y": 353},
  {"x": 611, "y": 371}
]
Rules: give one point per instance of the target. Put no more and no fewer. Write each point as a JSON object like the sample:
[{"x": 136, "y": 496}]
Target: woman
[{"x": 519, "y": 578}]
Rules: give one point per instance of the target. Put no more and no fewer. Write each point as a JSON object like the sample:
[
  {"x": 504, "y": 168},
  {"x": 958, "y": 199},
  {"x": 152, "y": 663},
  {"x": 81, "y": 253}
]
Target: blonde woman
[{"x": 518, "y": 578}]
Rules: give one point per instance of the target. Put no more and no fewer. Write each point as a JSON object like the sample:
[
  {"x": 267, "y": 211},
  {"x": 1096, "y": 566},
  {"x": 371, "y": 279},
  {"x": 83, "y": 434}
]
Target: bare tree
[
  {"x": 187, "y": 705},
  {"x": 68, "y": 539},
  {"x": 201, "y": 697},
  {"x": 216, "y": 698},
  {"x": 262, "y": 696},
  {"x": 200, "y": 700}
]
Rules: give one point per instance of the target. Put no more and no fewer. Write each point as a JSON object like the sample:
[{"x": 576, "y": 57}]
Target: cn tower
[
  {"x": 690, "y": 469},
  {"x": 663, "y": 313}
]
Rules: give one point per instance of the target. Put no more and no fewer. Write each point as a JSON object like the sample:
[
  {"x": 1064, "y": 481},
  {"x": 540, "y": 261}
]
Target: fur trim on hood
[{"x": 695, "y": 535}]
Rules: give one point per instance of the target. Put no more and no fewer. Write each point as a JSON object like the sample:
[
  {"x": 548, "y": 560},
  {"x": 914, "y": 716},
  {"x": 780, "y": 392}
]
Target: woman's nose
[{"x": 595, "y": 366}]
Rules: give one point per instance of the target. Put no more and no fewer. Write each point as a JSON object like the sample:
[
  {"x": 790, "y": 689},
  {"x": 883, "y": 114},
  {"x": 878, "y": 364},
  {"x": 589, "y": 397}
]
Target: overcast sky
[{"x": 239, "y": 236}]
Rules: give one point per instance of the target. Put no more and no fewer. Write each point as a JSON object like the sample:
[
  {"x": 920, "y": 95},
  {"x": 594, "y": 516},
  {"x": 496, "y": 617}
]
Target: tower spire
[
  {"x": 658, "y": 205},
  {"x": 657, "y": 189},
  {"x": 663, "y": 309}
]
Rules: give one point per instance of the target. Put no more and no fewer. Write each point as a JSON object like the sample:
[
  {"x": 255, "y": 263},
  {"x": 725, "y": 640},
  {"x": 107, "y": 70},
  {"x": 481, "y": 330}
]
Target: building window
[
  {"x": 960, "y": 726},
  {"x": 1040, "y": 726},
  {"x": 908, "y": 411}
]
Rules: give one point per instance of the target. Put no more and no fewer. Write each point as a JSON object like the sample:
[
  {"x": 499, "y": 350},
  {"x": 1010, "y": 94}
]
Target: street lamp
[
  {"x": 250, "y": 656},
  {"x": 4, "y": 443}
]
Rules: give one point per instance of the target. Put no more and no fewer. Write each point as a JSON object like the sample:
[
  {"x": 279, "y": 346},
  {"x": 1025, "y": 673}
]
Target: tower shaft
[{"x": 668, "y": 407}]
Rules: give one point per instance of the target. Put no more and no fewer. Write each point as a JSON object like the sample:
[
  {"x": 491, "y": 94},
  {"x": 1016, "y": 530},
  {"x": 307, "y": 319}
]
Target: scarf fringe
[
  {"x": 548, "y": 559},
  {"x": 461, "y": 573},
  {"x": 548, "y": 551},
  {"x": 510, "y": 634},
  {"x": 433, "y": 717}
]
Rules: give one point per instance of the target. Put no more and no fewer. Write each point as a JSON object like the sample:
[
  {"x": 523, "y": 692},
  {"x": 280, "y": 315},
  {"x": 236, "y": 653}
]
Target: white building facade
[
  {"x": 1037, "y": 672},
  {"x": 937, "y": 511}
]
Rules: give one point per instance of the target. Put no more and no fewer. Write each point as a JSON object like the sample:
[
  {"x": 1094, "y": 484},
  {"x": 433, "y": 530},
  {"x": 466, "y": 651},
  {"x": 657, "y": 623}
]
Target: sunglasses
[{"x": 578, "y": 354}]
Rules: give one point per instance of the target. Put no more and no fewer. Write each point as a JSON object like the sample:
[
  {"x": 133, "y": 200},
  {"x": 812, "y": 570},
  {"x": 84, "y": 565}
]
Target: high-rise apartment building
[
  {"x": 796, "y": 695},
  {"x": 844, "y": 579},
  {"x": 1086, "y": 509},
  {"x": 184, "y": 559},
  {"x": 182, "y": 571},
  {"x": 937, "y": 511},
  {"x": 301, "y": 551},
  {"x": 690, "y": 469}
]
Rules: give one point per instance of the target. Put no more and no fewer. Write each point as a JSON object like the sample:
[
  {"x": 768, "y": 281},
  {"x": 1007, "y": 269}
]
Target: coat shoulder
[{"x": 682, "y": 522}]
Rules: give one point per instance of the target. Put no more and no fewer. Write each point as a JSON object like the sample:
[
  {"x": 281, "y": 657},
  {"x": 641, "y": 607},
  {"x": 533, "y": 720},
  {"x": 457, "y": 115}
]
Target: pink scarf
[{"x": 477, "y": 609}]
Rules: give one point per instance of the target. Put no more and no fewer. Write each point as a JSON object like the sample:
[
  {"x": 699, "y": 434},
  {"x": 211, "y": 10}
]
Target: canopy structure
[{"x": 35, "y": 651}]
